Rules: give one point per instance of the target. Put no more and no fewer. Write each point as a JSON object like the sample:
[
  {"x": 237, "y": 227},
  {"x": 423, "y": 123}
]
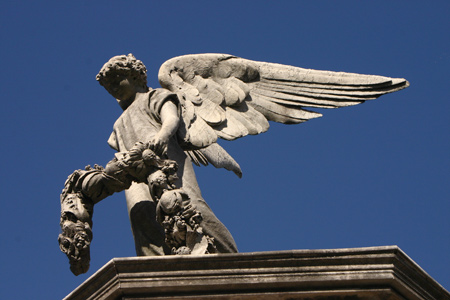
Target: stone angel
[{"x": 209, "y": 96}]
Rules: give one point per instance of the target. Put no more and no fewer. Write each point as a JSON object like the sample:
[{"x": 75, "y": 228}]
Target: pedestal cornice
[{"x": 357, "y": 273}]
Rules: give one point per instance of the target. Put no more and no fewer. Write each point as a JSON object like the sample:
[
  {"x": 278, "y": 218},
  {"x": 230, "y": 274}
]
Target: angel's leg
[
  {"x": 147, "y": 232},
  {"x": 211, "y": 225}
]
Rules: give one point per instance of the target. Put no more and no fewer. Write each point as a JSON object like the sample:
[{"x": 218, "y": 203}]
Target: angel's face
[{"x": 121, "y": 88}]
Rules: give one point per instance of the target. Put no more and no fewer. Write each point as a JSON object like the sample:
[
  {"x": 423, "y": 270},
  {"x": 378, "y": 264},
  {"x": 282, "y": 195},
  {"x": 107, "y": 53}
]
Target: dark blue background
[{"x": 371, "y": 175}]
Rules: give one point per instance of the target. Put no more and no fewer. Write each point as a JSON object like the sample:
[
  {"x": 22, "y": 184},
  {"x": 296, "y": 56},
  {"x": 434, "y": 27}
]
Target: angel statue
[{"x": 209, "y": 96}]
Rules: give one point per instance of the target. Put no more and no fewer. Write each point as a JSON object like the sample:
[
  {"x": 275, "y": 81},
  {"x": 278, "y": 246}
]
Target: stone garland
[{"x": 175, "y": 212}]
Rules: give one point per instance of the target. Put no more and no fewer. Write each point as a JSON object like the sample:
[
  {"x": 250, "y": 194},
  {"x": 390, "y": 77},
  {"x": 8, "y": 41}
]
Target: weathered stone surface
[
  {"x": 361, "y": 273},
  {"x": 204, "y": 97}
]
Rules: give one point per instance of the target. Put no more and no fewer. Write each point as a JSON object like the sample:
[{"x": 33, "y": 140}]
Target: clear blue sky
[{"x": 370, "y": 175}]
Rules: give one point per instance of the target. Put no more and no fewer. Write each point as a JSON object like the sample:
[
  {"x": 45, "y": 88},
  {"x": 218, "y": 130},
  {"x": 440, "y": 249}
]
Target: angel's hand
[{"x": 159, "y": 143}]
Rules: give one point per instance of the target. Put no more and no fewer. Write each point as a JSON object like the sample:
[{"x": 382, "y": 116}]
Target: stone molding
[{"x": 357, "y": 273}]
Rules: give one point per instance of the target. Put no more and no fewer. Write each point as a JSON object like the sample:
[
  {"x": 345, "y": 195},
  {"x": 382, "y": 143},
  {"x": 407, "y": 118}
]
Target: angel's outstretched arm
[{"x": 169, "y": 125}]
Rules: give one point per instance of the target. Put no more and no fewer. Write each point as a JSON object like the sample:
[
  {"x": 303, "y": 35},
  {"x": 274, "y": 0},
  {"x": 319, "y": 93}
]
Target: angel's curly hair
[{"x": 123, "y": 65}]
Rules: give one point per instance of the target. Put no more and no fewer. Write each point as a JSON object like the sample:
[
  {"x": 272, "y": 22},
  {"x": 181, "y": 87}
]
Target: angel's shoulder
[{"x": 158, "y": 97}]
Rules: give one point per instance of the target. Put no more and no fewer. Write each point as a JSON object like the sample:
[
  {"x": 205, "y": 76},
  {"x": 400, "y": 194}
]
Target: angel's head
[{"x": 123, "y": 76}]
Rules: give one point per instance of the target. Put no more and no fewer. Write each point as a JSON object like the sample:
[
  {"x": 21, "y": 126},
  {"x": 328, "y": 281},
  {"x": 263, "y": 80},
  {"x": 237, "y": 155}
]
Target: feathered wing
[{"x": 227, "y": 97}]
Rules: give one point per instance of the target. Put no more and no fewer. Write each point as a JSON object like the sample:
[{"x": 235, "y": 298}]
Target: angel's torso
[{"x": 140, "y": 121}]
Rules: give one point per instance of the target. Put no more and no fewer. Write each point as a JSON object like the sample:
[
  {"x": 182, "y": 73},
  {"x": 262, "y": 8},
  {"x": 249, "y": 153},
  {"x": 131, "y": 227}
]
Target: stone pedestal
[{"x": 361, "y": 273}]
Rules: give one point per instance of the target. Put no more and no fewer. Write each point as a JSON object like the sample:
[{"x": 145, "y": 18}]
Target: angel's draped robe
[{"x": 139, "y": 123}]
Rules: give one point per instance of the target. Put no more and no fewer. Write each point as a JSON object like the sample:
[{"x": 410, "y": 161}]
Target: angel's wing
[{"x": 229, "y": 97}]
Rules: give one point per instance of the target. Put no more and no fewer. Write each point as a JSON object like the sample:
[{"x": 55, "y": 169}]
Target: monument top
[{"x": 360, "y": 273}]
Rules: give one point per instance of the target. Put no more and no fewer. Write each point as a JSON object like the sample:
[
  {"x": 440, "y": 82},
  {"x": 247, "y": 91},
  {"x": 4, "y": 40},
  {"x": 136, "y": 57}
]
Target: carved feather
[
  {"x": 220, "y": 158},
  {"x": 232, "y": 128},
  {"x": 209, "y": 111}
]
